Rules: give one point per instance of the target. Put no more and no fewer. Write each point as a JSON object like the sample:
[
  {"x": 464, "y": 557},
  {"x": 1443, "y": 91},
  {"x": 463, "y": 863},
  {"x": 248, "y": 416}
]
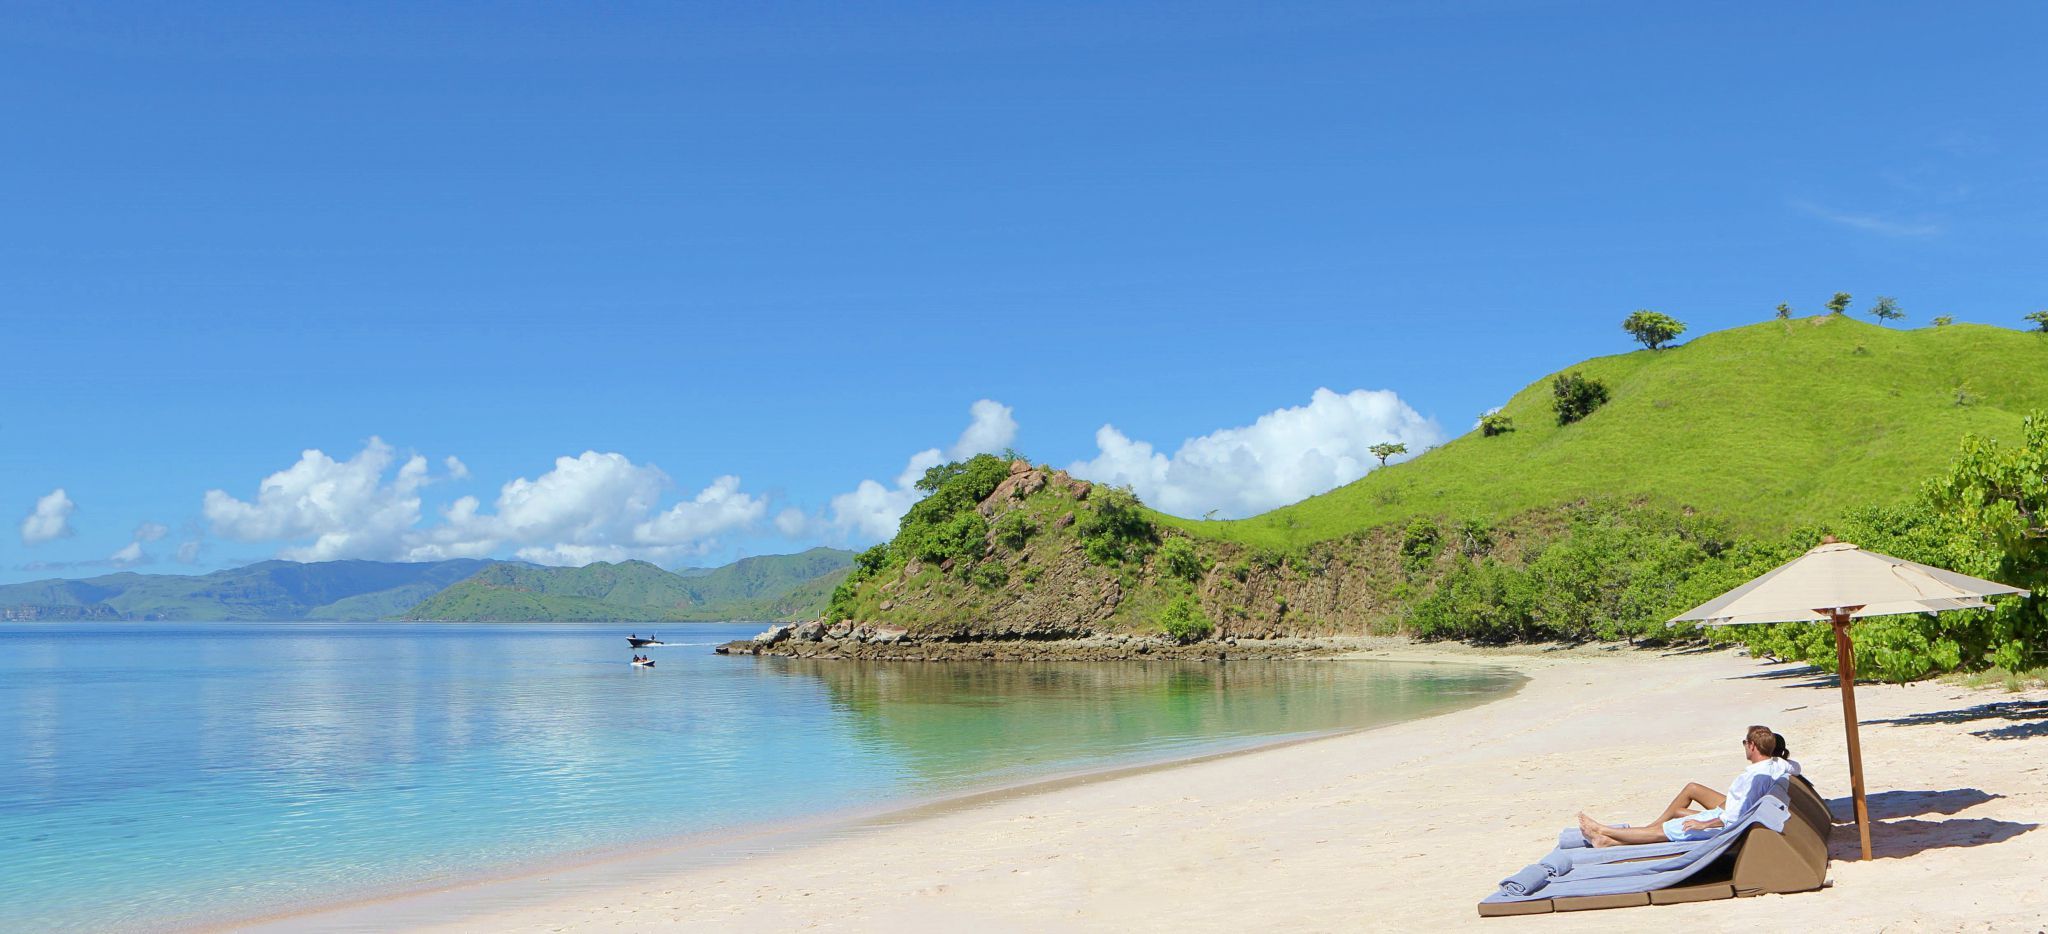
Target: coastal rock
[
  {"x": 1019, "y": 466},
  {"x": 774, "y": 634},
  {"x": 813, "y": 631},
  {"x": 841, "y": 629},
  {"x": 887, "y": 636}
]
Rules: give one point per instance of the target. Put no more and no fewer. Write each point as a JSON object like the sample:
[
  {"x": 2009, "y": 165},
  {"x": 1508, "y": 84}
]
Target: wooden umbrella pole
[{"x": 1845, "y": 669}]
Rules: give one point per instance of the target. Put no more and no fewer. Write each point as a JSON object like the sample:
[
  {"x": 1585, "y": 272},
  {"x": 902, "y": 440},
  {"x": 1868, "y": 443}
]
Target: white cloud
[
  {"x": 591, "y": 507},
  {"x": 345, "y": 507},
  {"x": 188, "y": 552},
  {"x": 1286, "y": 456},
  {"x": 151, "y": 531},
  {"x": 792, "y": 522},
  {"x": 49, "y": 520},
  {"x": 1869, "y": 223},
  {"x": 872, "y": 510},
  {"x": 992, "y": 427},
  {"x": 130, "y": 553}
]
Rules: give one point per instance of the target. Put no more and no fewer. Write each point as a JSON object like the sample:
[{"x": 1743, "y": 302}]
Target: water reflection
[{"x": 955, "y": 719}]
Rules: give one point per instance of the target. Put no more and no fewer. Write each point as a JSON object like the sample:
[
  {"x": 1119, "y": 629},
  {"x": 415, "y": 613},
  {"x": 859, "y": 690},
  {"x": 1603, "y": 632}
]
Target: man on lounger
[{"x": 1767, "y": 756}]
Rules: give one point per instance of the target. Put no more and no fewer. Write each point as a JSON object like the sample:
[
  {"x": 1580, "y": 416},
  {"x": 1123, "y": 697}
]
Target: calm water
[{"x": 151, "y": 773}]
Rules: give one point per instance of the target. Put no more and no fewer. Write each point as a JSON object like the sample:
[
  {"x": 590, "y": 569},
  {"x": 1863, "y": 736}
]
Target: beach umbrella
[{"x": 1835, "y": 583}]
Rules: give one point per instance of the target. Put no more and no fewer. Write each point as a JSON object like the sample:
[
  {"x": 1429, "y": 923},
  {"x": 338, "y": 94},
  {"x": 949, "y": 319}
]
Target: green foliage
[
  {"x": 1179, "y": 558},
  {"x": 1839, "y": 304},
  {"x": 1784, "y": 311},
  {"x": 1184, "y": 620},
  {"x": 1384, "y": 450},
  {"x": 1495, "y": 423},
  {"x": 988, "y": 575},
  {"x": 1420, "y": 544},
  {"x": 1942, "y": 321},
  {"x": 1474, "y": 538},
  {"x": 1114, "y": 527},
  {"x": 1651, "y": 328},
  {"x": 1616, "y": 573},
  {"x": 945, "y": 523},
  {"x": 1015, "y": 528},
  {"x": 1886, "y": 309},
  {"x": 1480, "y": 601},
  {"x": 2040, "y": 319},
  {"x": 1574, "y": 396}
]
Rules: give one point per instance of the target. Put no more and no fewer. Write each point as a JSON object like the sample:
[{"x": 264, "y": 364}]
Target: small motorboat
[
  {"x": 639, "y": 643},
  {"x": 643, "y": 663}
]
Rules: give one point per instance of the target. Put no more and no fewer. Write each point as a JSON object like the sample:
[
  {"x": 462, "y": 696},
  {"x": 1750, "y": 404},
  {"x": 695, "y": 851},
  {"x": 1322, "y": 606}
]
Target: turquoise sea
[{"x": 159, "y": 774}]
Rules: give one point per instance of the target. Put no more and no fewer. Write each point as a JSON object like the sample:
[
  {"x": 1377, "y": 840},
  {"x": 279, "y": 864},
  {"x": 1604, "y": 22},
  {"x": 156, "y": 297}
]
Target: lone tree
[
  {"x": 1839, "y": 304},
  {"x": 1494, "y": 423},
  {"x": 1885, "y": 309},
  {"x": 1384, "y": 450},
  {"x": 1575, "y": 397},
  {"x": 2040, "y": 319},
  {"x": 1942, "y": 321},
  {"x": 1651, "y": 328},
  {"x": 1784, "y": 311}
]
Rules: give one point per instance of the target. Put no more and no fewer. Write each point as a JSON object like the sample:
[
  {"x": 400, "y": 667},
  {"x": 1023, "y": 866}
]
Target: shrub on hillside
[
  {"x": 1014, "y": 529},
  {"x": 1184, "y": 620},
  {"x": 1575, "y": 396},
  {"x": 1178, "y": 558},
  {"x": 1420, "y": 544},
  {"x": 1493, "y": 423},
  {"x": 1113, "y": 528}
]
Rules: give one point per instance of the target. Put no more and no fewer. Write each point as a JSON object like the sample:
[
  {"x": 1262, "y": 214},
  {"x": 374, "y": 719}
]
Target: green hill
[
  {"x": 1768, "y": 426},
  {"x": 768, "y": 586},
  {"x": 1693, "y": 476},
  {"x": 265, "y": 590}
]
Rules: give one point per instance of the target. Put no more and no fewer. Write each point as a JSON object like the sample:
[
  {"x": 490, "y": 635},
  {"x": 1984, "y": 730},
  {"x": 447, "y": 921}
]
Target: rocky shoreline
[{"x": 848, "y": 641}]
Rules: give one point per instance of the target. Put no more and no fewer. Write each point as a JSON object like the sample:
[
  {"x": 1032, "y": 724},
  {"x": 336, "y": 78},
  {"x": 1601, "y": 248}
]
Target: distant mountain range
[{"x": 765, "y": 587}]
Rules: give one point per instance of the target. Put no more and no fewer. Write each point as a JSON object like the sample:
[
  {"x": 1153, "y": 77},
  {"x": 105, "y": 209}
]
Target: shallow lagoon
[{"x": 153, "y": 773}]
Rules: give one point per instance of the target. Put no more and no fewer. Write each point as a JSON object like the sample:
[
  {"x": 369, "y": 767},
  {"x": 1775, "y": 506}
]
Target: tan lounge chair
[{"x": 1762, "y": 862}]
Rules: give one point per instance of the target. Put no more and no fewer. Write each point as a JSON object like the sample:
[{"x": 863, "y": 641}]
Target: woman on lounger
[{"x": 1767, "y": 755}]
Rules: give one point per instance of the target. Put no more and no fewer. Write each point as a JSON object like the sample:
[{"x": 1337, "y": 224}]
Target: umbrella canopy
[
  {"x": 1838, "y": 575},
  {"x": 1835, "y": 583}
]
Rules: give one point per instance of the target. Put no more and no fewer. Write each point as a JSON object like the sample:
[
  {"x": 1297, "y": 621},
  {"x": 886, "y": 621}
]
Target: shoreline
[
  {"x": 573, "y": 871},
  {"x": 1407, "y": 826}
]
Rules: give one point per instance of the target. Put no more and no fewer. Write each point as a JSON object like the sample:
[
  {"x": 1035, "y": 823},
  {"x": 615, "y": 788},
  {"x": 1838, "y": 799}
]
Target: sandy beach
[{"x": 1406, "y": 827}]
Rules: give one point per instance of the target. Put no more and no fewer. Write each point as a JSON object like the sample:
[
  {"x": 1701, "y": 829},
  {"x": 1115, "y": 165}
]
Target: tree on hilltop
[
  {"x": 1886, "y": 309},
  {"x": 2040, "y": 319},
  {"x": 1784, "y": 311},
  {"x": 1651, "y": 328},
  {"x": 1384, "y": 450},
  {"x": 1942, "y": 321},
  {"x": 1839, "y": 304}
]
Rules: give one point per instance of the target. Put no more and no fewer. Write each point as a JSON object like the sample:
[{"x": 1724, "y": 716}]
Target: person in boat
[{"x": 1767, "y": 755}]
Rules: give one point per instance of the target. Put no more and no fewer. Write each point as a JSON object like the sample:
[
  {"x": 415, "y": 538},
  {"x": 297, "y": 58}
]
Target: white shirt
[{"x": 1774, "y": 768}]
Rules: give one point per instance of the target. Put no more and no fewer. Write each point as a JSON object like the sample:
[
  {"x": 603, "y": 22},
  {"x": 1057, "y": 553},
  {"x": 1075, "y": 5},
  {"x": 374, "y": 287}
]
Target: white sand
[{"x": 1405, "y": 828}]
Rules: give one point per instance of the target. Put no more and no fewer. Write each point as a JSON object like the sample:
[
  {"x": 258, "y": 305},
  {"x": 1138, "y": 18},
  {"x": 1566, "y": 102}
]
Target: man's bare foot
[
  {"x": 1599, "y": 839},
  {"x": 1589, "y": 826}
]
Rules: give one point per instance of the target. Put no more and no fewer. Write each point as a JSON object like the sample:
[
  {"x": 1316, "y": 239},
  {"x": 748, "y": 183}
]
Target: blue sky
[{"x": 795, "y": 243}]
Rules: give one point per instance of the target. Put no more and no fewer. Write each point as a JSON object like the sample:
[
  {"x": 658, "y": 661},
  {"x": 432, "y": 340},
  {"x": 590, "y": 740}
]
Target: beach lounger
[{"x": 1780, "y": 846}]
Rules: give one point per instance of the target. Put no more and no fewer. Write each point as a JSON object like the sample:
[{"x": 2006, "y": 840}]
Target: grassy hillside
[
  {"x": 768, "y": 586},
  {"x": 266, "y": 590},
  {"x": 1768, "y": 426}
]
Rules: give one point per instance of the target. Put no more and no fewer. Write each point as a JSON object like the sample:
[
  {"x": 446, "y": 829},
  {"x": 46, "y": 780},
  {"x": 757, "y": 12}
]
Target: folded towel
[
  {"x": 1531, "y": 877},
  {"x": 1557, "y": 863},
  {"x": 1571, "y": 839}
]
